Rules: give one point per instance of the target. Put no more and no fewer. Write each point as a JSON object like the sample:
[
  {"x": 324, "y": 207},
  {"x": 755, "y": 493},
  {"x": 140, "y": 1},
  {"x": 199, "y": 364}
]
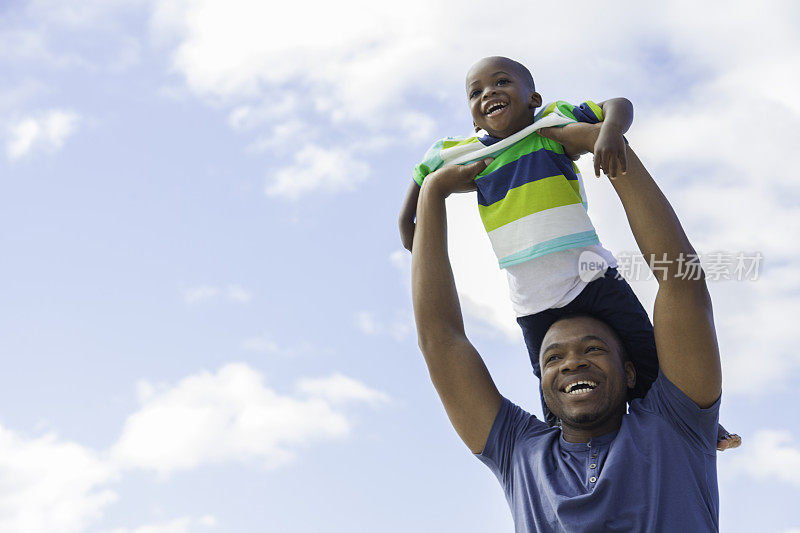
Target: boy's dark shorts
[{"x": 611, "y": 300}]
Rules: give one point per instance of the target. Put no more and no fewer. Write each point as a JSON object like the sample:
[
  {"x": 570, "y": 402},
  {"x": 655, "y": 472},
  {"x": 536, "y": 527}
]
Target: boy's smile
[{"x": 501, "y": 100}]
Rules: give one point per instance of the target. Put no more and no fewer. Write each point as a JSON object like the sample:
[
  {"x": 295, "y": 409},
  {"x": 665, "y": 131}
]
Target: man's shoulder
[
  {"x": 663, "y": 390},
  {"x": 667, "y": 406},
  {"x": 513, "y": 425}
]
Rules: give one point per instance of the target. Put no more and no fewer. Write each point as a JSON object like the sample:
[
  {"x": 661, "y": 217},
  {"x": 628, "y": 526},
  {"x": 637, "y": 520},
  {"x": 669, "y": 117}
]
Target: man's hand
[
  {"x": 456, "y": 178},
  {"x": 577, "y": 139},
  {"x": 604, "y": 140},
  {"x": 609, "y": 152}
]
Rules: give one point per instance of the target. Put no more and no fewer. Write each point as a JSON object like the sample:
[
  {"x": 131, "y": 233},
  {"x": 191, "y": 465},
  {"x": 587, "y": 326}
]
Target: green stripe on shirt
[
  {"x": 530, "y": 198},
  {"x": 450, "y": 144},
  {"x": 532, "y": 143}
]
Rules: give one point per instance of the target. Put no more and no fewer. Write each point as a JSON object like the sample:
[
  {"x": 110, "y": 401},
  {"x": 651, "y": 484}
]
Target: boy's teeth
[{"x": 495, "y": 107}]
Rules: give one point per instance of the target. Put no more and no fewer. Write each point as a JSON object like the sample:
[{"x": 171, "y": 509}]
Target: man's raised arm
[
  {"x": 457, "y": 371},
  {"x": 682, "y": 318}
]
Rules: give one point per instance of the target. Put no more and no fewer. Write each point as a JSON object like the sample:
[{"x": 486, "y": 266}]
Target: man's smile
[{"x": 578, "y": 387}]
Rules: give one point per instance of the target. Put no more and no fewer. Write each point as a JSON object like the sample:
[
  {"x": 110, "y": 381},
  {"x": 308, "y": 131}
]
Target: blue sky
[{"x": 205, "y": 319}]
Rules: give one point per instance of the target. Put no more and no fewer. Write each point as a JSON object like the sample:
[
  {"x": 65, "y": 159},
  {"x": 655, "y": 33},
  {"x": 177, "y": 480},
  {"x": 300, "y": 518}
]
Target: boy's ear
[{"x": 535, "y": 100}]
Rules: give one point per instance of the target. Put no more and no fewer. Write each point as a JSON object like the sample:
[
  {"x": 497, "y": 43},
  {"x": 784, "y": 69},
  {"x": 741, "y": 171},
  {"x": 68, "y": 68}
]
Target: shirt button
[
  {"x": 592, "y": 479},
  {"x": 592, "y": 465}
]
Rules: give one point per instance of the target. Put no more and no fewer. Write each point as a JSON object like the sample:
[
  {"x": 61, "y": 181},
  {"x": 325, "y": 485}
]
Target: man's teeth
[{"x": 580, "y": 387}]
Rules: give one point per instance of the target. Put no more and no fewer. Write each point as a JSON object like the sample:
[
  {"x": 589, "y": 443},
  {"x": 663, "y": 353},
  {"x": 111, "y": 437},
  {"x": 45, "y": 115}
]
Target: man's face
[
  {"x": 500, "y": 100},
  {"x": 584, "y": 379}
]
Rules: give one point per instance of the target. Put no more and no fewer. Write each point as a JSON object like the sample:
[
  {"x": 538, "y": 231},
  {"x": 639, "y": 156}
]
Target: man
[{"x": 651, "y": 469}]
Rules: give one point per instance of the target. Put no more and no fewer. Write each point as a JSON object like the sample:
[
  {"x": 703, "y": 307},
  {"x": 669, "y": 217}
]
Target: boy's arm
[
  {"x": 407, "y": 214},
  {"x": 609, "y": 150}
]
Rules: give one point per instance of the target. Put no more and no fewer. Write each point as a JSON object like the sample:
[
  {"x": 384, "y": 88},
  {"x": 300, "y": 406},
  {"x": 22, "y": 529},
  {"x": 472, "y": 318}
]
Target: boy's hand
[{"x": 609, "y": 152}]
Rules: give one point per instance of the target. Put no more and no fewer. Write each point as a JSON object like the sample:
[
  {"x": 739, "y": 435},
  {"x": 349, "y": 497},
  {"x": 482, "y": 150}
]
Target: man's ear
[
  {"x": 630, "y": 374},
  {"x": 535, "y": 100}
]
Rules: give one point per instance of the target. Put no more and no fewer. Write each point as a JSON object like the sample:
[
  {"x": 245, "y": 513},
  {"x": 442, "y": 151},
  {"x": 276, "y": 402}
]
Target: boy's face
[{"x": 500, "y": 100}]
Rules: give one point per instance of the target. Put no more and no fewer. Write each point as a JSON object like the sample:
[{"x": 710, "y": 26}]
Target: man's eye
[
  {"x": 550, "y": 358},
  {"x": 502, "y": 81},
  {"x": 474, "y": 93},
  {"x": 590, "y": 348}
]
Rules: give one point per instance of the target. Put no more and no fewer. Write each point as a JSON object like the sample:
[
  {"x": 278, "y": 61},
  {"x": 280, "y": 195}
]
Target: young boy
[{"x": 533, "y": 205}]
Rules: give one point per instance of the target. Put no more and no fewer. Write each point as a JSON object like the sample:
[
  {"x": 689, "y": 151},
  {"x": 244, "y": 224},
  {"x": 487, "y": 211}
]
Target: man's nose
[
  {"x": 489, "y": 91},
  {"x": 573, "y": 361}
]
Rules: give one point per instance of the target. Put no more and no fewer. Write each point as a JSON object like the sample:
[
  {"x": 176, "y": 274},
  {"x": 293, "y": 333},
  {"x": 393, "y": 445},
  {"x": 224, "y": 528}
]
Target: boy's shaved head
[
  {"x": 504, "y": 62},
  {"x": 501, "y": 96}
]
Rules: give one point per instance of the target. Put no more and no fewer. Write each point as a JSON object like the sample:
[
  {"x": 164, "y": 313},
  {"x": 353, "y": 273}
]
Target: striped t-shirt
[{"x": 531, "y": 198}]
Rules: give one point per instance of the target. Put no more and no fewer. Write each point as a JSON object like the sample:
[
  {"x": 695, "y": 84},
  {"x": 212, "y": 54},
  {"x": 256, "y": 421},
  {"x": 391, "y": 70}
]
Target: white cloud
[
  {"x": 367, "y": 324},
  {"x": 46, "y": 131},
  {"x": 482, "y": 286},
  {"x": 185, "y": 524},
  {"x": 43, "y": 33},
  {"x": 266, "y": 344},
  {"x": 370, "y": 87},
  {"x": 401, "y": 260},
  {"x": 716, "y": 146},
  {"x": 316, "y": 168},
  {"x": 237, "y": 294},
  {"x": 204, "y": 293},
  {"x": 231, "y": 415},
  {"x": 387, "y": 66},
  {"x": 398, "y": 327},
  {"x": 201, "y": 293},
  {"x": 770, "y": 455},
  {"x": 416, "y": 126},
  {"x": 249, "y": 116},
  {"x": 338, "y": 389},
  {"x": 261, "y": 344},
  {"x": 50, "y": 485}
]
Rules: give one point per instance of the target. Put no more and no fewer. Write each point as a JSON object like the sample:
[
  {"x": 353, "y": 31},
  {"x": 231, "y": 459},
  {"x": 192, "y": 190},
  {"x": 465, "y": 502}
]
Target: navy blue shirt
[{"x": 658, "y": 472}]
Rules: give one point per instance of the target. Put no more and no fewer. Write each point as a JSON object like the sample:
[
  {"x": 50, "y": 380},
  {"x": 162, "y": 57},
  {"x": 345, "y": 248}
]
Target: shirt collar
[{"x": 593, "y": 442}]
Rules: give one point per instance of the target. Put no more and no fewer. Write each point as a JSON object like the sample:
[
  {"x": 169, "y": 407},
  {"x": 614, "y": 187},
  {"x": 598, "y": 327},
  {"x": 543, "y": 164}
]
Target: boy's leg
[
  {"x": 611, "y": 299},
  {"x": 533, "y": 329}
]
